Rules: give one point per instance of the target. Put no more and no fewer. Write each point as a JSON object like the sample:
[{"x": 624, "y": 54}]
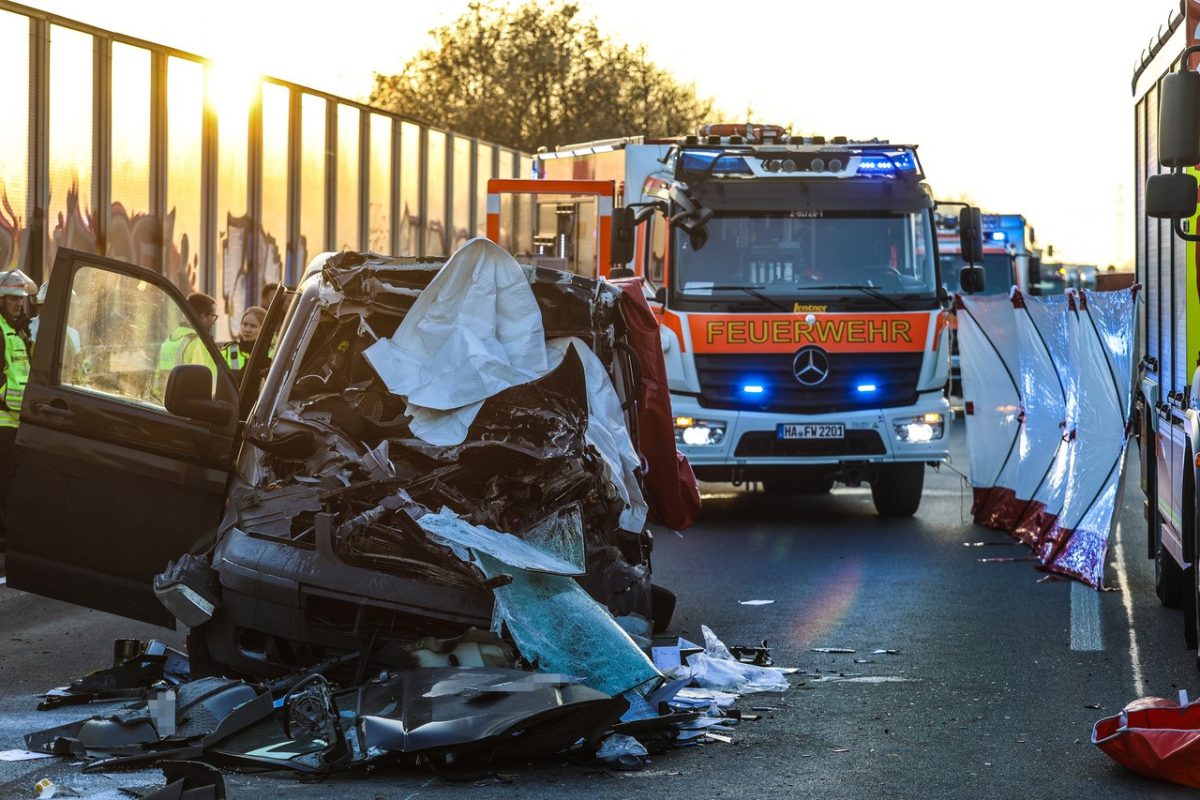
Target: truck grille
[
  {"x": 761, "y": 444},
  {"x": 894, "y": 376}
]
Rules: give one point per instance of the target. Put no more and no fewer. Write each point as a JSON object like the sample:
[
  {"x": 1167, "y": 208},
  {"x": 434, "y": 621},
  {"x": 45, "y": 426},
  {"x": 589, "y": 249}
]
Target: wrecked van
[{"x": 281, "y": 520}]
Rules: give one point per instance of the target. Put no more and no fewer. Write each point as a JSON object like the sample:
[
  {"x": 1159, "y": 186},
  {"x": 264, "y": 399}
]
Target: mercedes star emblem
[{"x": 811, "y": 366}]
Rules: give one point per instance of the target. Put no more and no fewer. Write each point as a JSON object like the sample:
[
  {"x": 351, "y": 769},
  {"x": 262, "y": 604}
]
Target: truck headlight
[
  {"x": 918, "y": 430},
  {"x": 698, "y": 432}
]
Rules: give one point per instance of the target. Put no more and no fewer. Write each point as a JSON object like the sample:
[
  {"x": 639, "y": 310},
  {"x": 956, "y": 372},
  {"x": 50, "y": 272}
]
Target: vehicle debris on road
[{"x": 435, "y": 566}]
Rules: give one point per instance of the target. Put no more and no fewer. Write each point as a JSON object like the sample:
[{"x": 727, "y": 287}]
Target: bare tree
[{"x": 538, "y": 74}]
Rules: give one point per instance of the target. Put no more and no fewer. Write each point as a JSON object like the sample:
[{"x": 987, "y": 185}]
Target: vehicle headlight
[
  {"x": 698, "y": 432},
  {"x": 921, "y": 429}
]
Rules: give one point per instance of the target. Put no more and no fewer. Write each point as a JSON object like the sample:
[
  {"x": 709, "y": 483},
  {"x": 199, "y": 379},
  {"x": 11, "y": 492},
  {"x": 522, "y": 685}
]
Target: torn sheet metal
[
  {"x": 500, "y": 713},
  {"x": 451, "y": 716},
  {"x": 1105, "y": 362},
  {"x": 205, "y": 712},
  {"x": 988, "y": 355},
  {"x": 475, "y": 331},
  {"x": 185, "y": 780},
  {"x": 137, "y": 667},
  {"x": 558, "y": 627}
]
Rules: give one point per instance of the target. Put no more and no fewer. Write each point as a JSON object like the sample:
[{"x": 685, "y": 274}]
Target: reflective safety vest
[
  {"x": 234, "y": 356},
  {"x": 183, "y": 346},
  {"x": 16, "y": 374}
]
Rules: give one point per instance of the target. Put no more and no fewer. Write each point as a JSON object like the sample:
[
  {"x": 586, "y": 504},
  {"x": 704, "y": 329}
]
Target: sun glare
[{"x": 231, "y": 90}]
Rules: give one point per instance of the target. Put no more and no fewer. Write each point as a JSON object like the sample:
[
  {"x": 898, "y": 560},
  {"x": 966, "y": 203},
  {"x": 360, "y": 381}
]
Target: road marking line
[
  {"x": 1135, "y": 654},
  {"x": 1085, "y": 618}
]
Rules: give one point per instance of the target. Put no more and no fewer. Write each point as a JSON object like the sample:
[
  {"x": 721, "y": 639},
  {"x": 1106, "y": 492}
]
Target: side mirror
[
  {"x": 660, "y": 295},
  {"x": 621, "y": 238},
  {"x": 970, "y": 235},
  {"x": 1171, "y": 195},
  {"x": 1179, "y": 120},
  {"x": 972, "y": 280},
  {"x": 189, "y": 394}
]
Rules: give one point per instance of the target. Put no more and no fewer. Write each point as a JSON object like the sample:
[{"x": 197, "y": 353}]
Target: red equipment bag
[
  {"x": 671, "y": 489},
  {"x": 1155, "y": 737}
]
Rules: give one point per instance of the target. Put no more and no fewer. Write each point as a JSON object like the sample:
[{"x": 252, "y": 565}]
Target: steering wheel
[{"x": 883, "y": 277}]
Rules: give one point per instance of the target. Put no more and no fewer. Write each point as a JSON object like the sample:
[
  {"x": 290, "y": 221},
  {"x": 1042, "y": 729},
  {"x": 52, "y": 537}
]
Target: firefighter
[
  {"x": 237, "y": 352},
  {"x": 184, "y": 345},
  {"x": 15, "y": 290}
]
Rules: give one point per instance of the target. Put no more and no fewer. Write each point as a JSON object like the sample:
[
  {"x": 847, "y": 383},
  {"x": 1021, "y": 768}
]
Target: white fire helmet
[{"x": 15, "y": 283}]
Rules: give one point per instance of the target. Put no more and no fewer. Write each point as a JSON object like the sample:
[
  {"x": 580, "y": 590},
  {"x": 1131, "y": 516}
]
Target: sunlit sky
[{"x": 1023, "y": 106}]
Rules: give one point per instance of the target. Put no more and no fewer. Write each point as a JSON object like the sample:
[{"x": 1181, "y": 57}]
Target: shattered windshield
[{"x": 795, "y": 254}]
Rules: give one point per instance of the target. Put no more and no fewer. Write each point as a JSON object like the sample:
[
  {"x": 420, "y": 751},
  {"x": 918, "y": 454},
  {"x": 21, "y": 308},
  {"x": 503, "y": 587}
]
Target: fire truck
[
  {"x": 798, "y": 285},
  {"x": 1166, "y": 91}
]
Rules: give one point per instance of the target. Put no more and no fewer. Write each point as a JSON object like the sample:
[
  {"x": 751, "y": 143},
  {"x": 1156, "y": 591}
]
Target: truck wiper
[
  {"x": 871, "y": 290},
  {"x": 754, "y": 291}
]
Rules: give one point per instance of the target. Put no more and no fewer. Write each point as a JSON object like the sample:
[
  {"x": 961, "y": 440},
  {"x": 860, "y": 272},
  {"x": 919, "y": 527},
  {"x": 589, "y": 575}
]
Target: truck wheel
[
  {"x": 896, "y": 489},
  {"x": 1168, "y": 577}
]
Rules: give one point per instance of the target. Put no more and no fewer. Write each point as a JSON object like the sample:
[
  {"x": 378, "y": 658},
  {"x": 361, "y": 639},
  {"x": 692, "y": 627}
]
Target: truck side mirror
[
  {"x": 972, "y": 279},
  {"x": 970, "y": 235},
  {"x": 1171, "y": 195},
  {"x": 621, "y": 239},
  {"x": 1179, "y": 120},
  {"x": 189, "y": 394}
]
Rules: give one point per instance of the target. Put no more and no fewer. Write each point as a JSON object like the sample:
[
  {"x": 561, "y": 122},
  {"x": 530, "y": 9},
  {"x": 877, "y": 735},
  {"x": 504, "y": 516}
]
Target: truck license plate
[{"x": 795, "y": 430}]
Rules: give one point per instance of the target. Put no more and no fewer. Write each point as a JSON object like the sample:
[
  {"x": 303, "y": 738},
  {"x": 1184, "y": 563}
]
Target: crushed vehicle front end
[{"x": 321, "y": 552}]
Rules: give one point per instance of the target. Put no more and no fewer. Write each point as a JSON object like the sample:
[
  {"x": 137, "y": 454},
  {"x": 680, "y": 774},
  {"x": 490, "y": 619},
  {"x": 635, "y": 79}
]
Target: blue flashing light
[
  {"x": 752, "y": 388},
  {"x": 886, "y": 164},
  {"x": 998, "y": 236},
  {"x": 867, "y": 388},
  {"x": 699, "y": 161}
]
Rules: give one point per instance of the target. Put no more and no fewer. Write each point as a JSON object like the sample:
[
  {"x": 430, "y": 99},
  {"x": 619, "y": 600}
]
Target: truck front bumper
[{"x": 750, "y": 440}]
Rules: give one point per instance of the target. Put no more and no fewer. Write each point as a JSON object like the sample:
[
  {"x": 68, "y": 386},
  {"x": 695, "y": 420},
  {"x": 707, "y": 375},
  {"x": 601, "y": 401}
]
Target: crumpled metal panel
[
  {"x": 1043, "y": 343},
  {"x": 1104, "y": 362},
  {"x": 987, "y": 344}
]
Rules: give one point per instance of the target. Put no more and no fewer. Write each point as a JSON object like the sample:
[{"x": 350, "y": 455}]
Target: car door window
[{"x": 123, "y": 337}]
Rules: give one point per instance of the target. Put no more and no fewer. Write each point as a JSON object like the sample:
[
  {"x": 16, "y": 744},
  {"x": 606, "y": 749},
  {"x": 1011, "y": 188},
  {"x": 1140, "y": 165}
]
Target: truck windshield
[
  {"x": 997, "y": 268},
  {"x": 796, "y": 254}
]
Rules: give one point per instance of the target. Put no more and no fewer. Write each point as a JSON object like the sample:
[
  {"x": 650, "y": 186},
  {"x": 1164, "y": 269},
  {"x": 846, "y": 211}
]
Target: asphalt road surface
[{"x": 992, "y": 696}]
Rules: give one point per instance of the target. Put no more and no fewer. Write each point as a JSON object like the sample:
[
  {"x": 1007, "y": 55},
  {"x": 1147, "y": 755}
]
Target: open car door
[{"x": 111, "y": 486}]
